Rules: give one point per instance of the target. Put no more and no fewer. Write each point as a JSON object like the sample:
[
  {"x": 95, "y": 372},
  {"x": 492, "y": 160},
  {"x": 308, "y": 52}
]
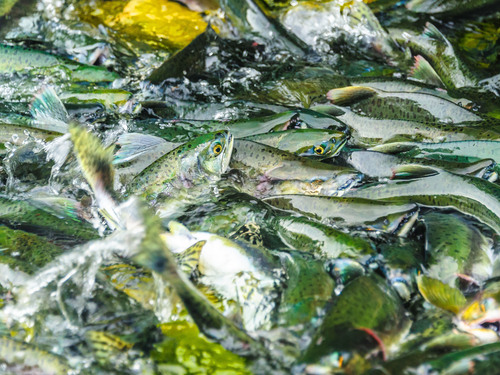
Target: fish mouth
[
  {"x": 229, "y": 151},
  {"x": 339, "y": 147}
]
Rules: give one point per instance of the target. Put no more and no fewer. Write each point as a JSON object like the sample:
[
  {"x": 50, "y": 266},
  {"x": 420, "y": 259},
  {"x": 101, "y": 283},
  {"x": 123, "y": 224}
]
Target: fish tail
[{"x": 423, "y": 71}]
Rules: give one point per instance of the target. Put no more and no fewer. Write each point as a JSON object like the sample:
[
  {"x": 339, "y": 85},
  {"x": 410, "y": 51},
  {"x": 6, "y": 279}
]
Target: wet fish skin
[
  {"x": 470, "y": 195},
  {"x": 367, "y": 306},
  {"x": 309, "y": 288},
  {"x": 305, "y": 142},
  {"x": 22, "y": 212},
  {"x": 246, "y": 274},
  {"x": 439, "y": 52},
  {"x": 137, "y": 151},
  {"x": 346, "y": 210},
  {"x": 453, "y": 247},
  {"x": 447, "y": 7},
  {"x": 272, "y": 171},
  {"x": 377, "y": 164},
  {"x": 154, "y": 254},
  {"x": 203, "y": 159},
  {"x": 475, "y": 150},
  {"x": 369, "y": 132},
  {"x": 18, "y": 59},
  {"x": 326, "y": 242},
  {"x": 423, "y": 107},
  {"x": 15, "y": 352},
  {"x": 26, "y": 251}
]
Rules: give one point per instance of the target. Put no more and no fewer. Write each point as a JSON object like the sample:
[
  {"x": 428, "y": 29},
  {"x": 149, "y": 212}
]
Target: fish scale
[
  {"x": 270, "y": 170},
  {"x": 18, "y": 59},
  {"x": 369, "y": 131},
  {"x": 469, "y": 195},
  {"x": 182, "y": 167}
]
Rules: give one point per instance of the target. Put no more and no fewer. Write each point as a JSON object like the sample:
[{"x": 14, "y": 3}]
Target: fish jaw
[{"x": 228, "y": 152}]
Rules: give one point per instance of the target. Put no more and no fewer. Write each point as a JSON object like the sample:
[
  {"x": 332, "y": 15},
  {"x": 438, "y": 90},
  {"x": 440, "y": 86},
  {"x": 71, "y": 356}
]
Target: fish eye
[
  {"x": 319, "y": 150},
  {"x": 217, "y": 149}
]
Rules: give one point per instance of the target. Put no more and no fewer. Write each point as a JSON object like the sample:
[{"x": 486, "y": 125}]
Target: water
[{"x": 415, "y": 286}]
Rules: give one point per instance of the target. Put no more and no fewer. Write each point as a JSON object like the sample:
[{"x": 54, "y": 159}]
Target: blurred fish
[
  {"x": 447, "y": 7},
  {"x": 6, "y": 6},
  {"x": 18, "y": 59}
]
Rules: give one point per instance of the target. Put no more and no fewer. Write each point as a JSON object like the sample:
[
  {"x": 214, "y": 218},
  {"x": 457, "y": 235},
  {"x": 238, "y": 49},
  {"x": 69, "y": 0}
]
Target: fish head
[
  {"x": 216, "y": 152},
  {"x": 328, "y": 148}
]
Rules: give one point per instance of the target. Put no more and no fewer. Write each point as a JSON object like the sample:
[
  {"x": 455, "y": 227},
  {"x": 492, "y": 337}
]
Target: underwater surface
[{"x": 249, "y": 187}]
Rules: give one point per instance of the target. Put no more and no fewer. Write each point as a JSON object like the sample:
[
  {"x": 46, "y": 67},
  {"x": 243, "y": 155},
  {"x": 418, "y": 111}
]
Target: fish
[
  {"x": 255, "y": 277},
  {"x": 306, "y": 87},
  {"x": 368, "y": 132},
  {"x": 109, "y": 98},
  {"x": 469, "y": 195},
  {"x": 437, "y": 62},
  {"x": 46, "y": 216},
  {"x": 201, "y": 160},
  {"x": 15, "y": 352},
  {"x": 385, "y": 216},
  {"x": 415, "y": 106},
  {"x": 246, "y": 274},
  {"x": 367, "y": 310},
  {"x": 322, "y": 240},
  {"x": 49, "y": 120},
  {"x": 309, "y": 289},
  {"x": 468, "y": 150},
  {"x": 6, "y": 6},
  {"x": 455, "y": 248},
  {"x": 295, "y": 119},
  {"x": 271, "y": 171},
  {"x": 19, "y": 59},
  {"x": 26, "y": 251},
  {"x": 318, "y": 143},
  {"x": 154, "y": 254},
  {"x": 447, "y": 8},
  {"x": 137, "y": 151},
  {"x": 377, "y": 164}
]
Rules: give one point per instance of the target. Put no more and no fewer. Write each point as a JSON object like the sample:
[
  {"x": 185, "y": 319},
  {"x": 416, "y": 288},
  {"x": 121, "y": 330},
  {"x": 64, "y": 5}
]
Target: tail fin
[
  {"x": 423, "y": 71},
  {"x": 441, "y": 295},
  {"x": 49, "y": 113}
]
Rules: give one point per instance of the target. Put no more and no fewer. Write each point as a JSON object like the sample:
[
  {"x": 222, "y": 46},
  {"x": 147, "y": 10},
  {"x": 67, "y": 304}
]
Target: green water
[{"x": 371, "y": 249}]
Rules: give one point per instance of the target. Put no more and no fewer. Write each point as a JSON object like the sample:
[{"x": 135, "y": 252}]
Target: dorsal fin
[
  {"x": 133, "y": 145},
  {"x": 432, "y": 32},
  {"x": 48, "y": 112}
]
